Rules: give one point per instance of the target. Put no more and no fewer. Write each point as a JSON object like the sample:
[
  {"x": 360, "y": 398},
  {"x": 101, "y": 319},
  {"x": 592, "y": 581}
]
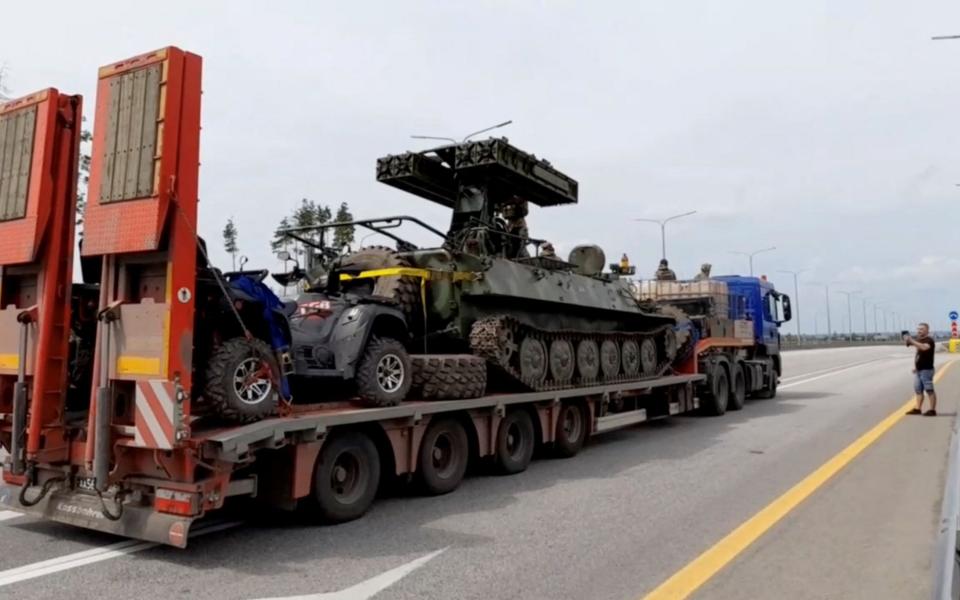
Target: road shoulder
[{"x": 869, "y": 532}]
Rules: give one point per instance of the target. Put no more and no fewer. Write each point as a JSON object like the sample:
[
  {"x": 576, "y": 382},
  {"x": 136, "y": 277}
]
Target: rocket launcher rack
[{"x": 504, "y": 170}]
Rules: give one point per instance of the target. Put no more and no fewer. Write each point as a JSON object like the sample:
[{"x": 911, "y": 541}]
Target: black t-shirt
[{"x": 924, "y": 360}]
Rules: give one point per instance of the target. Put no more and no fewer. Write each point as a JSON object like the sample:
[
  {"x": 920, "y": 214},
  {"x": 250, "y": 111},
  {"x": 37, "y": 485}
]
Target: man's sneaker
[
  {"x": 930, "y": 413},
  {"x": 913, "y": 411}
]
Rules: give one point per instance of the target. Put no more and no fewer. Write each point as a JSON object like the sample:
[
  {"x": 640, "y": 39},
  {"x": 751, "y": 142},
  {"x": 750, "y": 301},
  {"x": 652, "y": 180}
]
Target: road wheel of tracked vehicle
[
  {"x": 715, "y": 400},
  {"x": 515, "y": 442},
  {"x": 609, "y": 359},
  {"x": 448, "y": 376},
  {"x": 648, "y": 357},
  {"x": 533, "y": 361},
  {"x": 403, "y": 289},
  {"x": 630, "y": 357},
  {"x": 383, "y": 373},
  {"x": 571, "y": 430},
  {"x": 346, "y": 477},
  {"x": 738, "y": 387},
  {"x": 241, "y": 380},
  {"x": 670, "y": 345},
  {"x": 588, "y": 360},
  {"x": 444, "y": 453},
  {"x": 562, "y": 361}
]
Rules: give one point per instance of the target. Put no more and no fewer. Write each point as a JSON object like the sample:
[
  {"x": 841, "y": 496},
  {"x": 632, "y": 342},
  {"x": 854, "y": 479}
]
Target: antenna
[
  {"x": 467, "y": 137},
  {"x": 491, "y": 128}
]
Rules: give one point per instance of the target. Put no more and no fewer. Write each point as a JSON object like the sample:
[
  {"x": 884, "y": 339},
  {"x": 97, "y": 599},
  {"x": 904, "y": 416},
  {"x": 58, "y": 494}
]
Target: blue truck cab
[{"x": 767, "y": 308}]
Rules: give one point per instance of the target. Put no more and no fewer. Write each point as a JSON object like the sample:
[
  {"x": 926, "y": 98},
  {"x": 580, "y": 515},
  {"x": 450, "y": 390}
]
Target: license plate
[{"x": 87, "y": 484}]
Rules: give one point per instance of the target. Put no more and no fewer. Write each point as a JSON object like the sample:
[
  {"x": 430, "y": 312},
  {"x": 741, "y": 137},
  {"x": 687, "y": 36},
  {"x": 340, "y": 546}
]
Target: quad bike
[{"x": 342, "y": 333}]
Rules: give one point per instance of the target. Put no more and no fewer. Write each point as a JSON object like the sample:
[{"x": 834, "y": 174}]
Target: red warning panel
[
  {"x": 27, "y": 130},
  {"x": 145, "y": 154}
]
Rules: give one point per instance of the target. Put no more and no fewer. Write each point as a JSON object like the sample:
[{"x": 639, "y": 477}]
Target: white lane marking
[
  {"x": 371, "y": 587},
  {"x": 6, "y": 515},
  {"x": 830, "y": 374},
  {"x": 834, "y": 368},
  {"x": 94, "y": 555}
]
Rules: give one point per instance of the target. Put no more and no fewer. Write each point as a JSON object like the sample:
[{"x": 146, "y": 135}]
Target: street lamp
[
  {"x": 663, "y": 228},
  {"x": 826, "y": 288},
  {"x": 750, "y": 255},
  {"x": 796, "y": 298},
  {"x": 849, "y": 296},
  {"x": 865, "y": 299}
]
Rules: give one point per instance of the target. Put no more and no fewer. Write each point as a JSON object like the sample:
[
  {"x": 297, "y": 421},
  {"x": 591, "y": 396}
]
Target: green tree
[
  {"x": 343, "y": 236},
  {"x": 230, "y": 241},
  {"x": 83, "y": 181},
  {"x": 280, "y": 239}
]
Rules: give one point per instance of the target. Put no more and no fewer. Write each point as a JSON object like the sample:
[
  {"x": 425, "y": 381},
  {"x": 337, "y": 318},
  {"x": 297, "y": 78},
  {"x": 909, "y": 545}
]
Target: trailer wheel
[
  {"x": 240, "y": 380},
  {"x": 715, "y": 400},
  {"x": 515, "y": 441},
  {"x": 571, "y": 430},
  {"x": 346, "y": 477},
  {"x": 738, "y": 387},
  {"x": 384, "y": 373},
  {"x": 444, "y": 454}
]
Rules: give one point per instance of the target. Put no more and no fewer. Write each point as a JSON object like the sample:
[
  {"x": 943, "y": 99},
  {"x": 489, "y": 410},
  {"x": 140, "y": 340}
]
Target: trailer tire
[
  {"x": 738, "y": 387},
  {"x": 716, "y": 398},
  {"x": 236, "y": 358},
  {"x": 443, "y": 457},
  {"x": 448, "y": 377},
  {"x": 346, "y": 477},
  {"x": 516, "y": 439},
  {"x": 571, "y": 430},
  {"x": 384, "y": 373}
]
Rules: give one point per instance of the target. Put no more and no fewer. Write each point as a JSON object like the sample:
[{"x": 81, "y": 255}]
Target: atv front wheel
[
  {"x": 241, "y": 380},
  {"x": 384, "y": 373}
]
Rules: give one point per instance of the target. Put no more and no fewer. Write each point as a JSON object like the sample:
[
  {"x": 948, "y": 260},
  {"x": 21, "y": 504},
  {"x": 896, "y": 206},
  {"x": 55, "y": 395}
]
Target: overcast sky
[{"x": 826, "y": 129}]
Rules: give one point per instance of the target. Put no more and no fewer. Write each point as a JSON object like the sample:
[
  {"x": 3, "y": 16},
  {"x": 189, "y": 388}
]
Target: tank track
[{"x": 501, "y": 340}]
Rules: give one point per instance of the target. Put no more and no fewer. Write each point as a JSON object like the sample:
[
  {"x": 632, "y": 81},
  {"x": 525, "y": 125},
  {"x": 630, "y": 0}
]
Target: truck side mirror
[
  {"x": 283, "y": 255},
  {"x": 787, "y": 313}
]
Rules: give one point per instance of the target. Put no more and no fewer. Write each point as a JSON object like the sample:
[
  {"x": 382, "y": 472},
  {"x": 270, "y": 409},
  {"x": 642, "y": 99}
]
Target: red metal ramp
[
  {"x": 39, "y": 146},
  {"x": 141, "y": 220}
]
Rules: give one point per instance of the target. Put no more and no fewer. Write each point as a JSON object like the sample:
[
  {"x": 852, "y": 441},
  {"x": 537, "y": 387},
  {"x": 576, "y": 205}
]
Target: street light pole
[
  {"x": 826, "y": 291},
  {"x": 796, "y": 298},
  {"x": 865, "y": 317},
  {"x": 663, "y": 229},
  {"x": 849, "y": 296},
  {"x": 750, "y": 255}
]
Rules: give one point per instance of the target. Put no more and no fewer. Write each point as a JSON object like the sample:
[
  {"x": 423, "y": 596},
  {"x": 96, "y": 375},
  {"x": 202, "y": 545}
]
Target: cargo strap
[{"x": 423, "y": 274}]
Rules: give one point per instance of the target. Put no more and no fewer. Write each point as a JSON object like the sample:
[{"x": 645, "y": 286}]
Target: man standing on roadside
[{"x": 923, "y": 370}]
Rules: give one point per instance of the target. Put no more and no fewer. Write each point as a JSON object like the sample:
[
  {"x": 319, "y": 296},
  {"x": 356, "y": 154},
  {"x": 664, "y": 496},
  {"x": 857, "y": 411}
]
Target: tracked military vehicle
[{"x": 489, "y": 289}]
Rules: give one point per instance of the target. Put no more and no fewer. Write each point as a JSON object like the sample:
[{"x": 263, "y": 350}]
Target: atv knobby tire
[
  {"x": 449, "y": 376},
  {"x": 223, "y": 392},
  {"x": 384, "y": 374},
  {"x": 402, "y": 289}
]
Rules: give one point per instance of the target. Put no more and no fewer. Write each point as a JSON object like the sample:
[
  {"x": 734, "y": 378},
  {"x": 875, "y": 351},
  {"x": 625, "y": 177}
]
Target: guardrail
[
  {"x": 808, "y": 344},
  {"x": 946, "y": 559}
]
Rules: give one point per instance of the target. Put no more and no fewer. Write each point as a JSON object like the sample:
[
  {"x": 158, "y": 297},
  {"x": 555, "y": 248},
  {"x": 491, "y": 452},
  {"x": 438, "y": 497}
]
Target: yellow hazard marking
[
  {"x": 688, "y": 579},
  {"x": 138, "y": 365},
  {"x": 425, "y": 274},
  {"x": 9, "y": 361}
]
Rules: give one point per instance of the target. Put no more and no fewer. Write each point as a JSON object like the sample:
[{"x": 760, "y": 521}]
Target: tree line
[{"x": 307, "y": 214}]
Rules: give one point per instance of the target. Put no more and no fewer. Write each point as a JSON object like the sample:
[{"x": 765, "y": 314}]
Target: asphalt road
[{"x": 614, "y": 522}]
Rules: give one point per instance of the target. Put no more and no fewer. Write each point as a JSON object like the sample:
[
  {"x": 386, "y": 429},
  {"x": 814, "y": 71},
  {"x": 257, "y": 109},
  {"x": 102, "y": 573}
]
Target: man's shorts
[{"x": 923, "y": 381}]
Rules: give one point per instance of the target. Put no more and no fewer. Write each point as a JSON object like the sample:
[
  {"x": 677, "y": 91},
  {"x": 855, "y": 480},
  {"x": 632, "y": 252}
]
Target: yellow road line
[{"x": 686, "y": 581}]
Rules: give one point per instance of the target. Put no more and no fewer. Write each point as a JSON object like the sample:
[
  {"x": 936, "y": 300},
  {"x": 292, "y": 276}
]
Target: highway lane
[{"x": 613, "y": 522}]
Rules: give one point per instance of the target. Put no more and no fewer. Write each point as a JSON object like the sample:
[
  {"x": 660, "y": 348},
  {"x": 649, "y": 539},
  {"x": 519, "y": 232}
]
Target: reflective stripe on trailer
[{"x": 155, "y": 406}]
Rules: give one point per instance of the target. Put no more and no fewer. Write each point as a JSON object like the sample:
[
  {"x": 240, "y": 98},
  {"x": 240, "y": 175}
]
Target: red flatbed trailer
[{"x": 138, "y": 463}]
